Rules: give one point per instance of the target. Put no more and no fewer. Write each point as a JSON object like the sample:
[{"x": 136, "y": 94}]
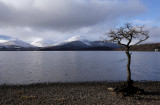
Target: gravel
[{"x": 83, "y": 93}]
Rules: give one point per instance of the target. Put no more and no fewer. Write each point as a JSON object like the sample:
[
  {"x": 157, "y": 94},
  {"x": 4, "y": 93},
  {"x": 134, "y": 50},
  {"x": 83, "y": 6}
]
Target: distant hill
[
  {"x": 10, "y": 43},
  {"x": 147, "y": 47},
  {"x": 75, "y": 43},
  {"x": 43, "y": 43},
  {"x": 82, "y": 45},
  {"x": 144, "y": 47}
]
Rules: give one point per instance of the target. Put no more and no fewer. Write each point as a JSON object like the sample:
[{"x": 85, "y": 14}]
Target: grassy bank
[{"x": 76, "y": 93}]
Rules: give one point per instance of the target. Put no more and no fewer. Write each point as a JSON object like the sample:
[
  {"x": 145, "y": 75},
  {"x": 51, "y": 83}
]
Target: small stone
[{"x": 111, "y": 89}]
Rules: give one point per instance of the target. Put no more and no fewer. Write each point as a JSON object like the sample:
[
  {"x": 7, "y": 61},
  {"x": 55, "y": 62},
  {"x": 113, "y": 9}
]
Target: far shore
[{"x": 80, "y": 93}]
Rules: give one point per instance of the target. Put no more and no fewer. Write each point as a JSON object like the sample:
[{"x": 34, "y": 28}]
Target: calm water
[{"x": 72, "y": 66}]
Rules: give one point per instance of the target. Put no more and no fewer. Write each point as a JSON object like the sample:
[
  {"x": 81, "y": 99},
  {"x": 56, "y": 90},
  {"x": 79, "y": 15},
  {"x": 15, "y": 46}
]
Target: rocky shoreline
[{"x": 86, "y": 93}]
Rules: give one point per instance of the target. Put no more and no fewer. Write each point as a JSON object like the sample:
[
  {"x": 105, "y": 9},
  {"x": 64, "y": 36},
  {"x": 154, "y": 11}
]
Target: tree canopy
[{"x": 128, "y": 35}]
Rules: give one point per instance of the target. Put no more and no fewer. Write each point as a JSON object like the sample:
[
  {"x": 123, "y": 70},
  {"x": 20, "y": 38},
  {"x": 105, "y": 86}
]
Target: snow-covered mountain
[
  {"x": 43, "y": 43},
  {"x": 73, "y": 43},
  {"x": 72, "y": 39},
  {"x": 78, "y": 43},
  {"x": 9, "y": 42},
  {"x": 77, "y": 40}
]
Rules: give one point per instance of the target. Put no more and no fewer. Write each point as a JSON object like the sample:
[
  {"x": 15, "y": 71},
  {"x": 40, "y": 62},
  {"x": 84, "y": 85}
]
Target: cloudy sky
[{"x": 59, "y": 20}]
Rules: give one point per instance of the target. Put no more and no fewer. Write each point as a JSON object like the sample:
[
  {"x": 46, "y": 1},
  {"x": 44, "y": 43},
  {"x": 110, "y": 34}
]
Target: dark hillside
[{"x": 145, "y": 47}]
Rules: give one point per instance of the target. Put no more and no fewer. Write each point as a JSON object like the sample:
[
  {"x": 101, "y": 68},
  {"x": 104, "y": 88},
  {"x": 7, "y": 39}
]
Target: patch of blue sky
[{"x": 151, "y": 16}]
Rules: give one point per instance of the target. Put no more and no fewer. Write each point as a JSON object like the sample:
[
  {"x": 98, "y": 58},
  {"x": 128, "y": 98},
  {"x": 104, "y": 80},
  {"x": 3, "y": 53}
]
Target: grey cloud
[
  {"x": 63, "y": 15},
  {"x": 154, "y": 34}
]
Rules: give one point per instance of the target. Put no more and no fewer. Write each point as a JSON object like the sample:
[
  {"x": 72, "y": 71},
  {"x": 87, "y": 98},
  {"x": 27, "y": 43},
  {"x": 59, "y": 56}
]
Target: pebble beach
[{"x": 82, "y": 93}]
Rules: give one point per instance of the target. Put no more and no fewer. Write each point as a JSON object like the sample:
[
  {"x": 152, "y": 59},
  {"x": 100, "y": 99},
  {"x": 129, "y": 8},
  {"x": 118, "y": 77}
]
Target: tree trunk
[{"x": 129, "y": 81}]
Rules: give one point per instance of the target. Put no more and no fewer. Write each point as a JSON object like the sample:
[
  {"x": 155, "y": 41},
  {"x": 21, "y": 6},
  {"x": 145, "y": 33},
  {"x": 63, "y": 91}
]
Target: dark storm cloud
[{"x": 65, "y": 15}]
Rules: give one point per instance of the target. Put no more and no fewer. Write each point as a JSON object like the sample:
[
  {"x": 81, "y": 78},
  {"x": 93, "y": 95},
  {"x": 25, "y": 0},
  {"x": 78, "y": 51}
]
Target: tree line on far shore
[{"x": 144, "y": 47}]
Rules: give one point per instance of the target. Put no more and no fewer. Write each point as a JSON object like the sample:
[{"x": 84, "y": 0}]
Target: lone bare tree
[{"x": 128, "y": 36}]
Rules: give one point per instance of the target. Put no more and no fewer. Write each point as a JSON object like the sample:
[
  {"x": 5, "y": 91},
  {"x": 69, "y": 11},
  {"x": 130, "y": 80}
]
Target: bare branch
[{"x": 127, "y": 34}]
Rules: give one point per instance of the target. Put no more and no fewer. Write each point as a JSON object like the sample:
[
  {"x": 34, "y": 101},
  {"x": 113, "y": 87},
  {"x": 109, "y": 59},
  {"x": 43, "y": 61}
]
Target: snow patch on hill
[
  {"x": 43, "y": 43},
  {"x": 6, "y": 41}
]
